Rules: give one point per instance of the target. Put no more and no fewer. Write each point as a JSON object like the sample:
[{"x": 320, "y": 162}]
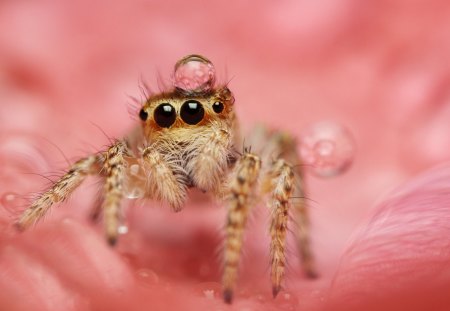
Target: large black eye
[
  {"x": 143, "y": 115},
  {"x": 192, "y": 112},
  {"x": 217, "y": 107},
  {"x": 165, "y": 115}
]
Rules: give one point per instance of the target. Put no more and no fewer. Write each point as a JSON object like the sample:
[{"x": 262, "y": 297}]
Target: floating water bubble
[
  {"x": 194, "y": 73},
  {"x": 328, "y": 148}
]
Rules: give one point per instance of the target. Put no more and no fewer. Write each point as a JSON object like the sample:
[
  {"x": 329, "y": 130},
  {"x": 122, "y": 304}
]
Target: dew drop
[
  {"x": 136, "y": 180},
  {"x": 288, "y": 301},
  {"x": 208, "y": 290},
  {"x": 147, "y": 277},
  {"x": 123, "y": 229},
  {"x": 327, "y": 148},
  {"x": 194, "y": 73},
  {"x": 13, "y": 203}
]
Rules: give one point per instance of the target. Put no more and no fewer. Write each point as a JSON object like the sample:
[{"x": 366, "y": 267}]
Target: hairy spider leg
[{"x": 242, "y": 185}]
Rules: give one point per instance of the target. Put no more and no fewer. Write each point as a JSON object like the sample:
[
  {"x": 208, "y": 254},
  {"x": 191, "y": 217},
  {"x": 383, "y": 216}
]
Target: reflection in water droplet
[
  {"x": 328, "y": 148},
  {"x": 147, "y": 277},
  {"x": 194, "y": 73}
]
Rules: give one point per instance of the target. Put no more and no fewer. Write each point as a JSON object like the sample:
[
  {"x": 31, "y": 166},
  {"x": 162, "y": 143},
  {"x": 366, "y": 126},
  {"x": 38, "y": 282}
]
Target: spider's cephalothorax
[{"x": 188, "y": 137}]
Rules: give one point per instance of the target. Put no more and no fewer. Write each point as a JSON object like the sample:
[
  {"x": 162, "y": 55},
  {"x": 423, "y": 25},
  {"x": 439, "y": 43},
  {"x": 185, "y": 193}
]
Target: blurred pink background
[{"x": 381, "y": 68}]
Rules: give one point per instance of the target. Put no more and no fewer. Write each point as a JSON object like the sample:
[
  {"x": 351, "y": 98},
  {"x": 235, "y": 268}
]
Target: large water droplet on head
[
  {"x": 327, "y": 148},
  {"x": 194, "y": 73}
]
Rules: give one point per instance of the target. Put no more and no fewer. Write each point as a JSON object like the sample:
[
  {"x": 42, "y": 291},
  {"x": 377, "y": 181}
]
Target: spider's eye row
[
  {"x": 192, "y": 112},
  {"x": 143, "y": 115},
  {"x": 218, "y": 107},
  {"x": 165, "y": 115}
]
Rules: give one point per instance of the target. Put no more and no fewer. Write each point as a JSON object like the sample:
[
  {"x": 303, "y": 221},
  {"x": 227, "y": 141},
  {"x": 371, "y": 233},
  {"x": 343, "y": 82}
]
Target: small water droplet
[
  {"x": 147, "y": 277},
  {"x": 328, "y": 148},
  {"x": 209, "y": 290},
  {"x": 194, "y": 73},
  {"x": 13, "y": 203},
  {"x": 123, "y": 229},
  {"x": 287, "y": 301},
  {"x": 136, "y": 181}
]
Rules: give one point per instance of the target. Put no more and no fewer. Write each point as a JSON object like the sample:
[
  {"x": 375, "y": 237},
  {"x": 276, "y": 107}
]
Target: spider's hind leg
[
  {"x": 284, "y": 181},
  {"x": 279, "y": 181}
]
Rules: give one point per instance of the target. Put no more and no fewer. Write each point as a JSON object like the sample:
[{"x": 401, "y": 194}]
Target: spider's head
[{"x": 195, "y": 102}]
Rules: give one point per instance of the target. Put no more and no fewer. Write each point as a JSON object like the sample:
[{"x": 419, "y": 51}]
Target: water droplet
[
  {"x": 287, "y": 301},
  {"x": 328, "y": 148},
  {"x": 13, "y": 203},
  {"x": 136, "y": 181},
  {"x": 123, "y": 229},
  {"x": 209, "y": 290},
  {"x": 147, "y": 277},
  {"x": 194, "y": 73}
]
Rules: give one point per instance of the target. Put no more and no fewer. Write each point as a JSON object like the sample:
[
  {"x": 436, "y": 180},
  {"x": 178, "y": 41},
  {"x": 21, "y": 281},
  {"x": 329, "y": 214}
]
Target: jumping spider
[{"x": 188, "y": 137}]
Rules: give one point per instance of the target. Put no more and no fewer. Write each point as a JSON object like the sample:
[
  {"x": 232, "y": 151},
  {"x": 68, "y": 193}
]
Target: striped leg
[
  {"x": 60, "y": 190},
  {"x": 243, "y": 180},
  {"x": 165, "y": 178},
  {"x": 281, "y": 180},
  {"x": 288, "y": 151},
  {"x": 303, "y": 235},
  {"x": 282, "y": 145},
  {"x": 114, "y": 169}
]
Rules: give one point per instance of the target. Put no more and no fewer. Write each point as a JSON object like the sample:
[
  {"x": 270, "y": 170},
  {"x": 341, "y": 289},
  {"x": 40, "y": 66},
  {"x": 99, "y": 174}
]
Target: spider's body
[{"x": 188, "y": 137}]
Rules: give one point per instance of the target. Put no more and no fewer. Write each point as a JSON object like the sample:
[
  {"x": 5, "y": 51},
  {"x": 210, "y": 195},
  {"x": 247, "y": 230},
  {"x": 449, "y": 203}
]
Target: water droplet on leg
[
  {"x": 136, "y": 180},
  {"x": 194, "y": 73},
  {"x": 327, "y": 148}
]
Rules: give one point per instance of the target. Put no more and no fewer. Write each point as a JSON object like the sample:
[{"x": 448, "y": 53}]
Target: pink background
[{"x": 380, "y": 67}]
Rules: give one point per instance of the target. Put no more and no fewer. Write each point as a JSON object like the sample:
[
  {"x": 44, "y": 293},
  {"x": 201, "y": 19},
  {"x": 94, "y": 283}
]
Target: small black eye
[
  {"x": 165, "y": 115},
  {"x": 217, "y": 107},
  {"x": 143, "y": 115},
  {"x": 192, "y": 112}
]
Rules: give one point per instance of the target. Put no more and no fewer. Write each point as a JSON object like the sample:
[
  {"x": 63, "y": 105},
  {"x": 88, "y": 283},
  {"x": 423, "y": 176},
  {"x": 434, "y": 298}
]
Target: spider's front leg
[
  {"x": 166, "y": 177},
  {"x": 60, "y": 190},
  {"x": 115, "y": 169},
  {"x": 241, "y": 188}
]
